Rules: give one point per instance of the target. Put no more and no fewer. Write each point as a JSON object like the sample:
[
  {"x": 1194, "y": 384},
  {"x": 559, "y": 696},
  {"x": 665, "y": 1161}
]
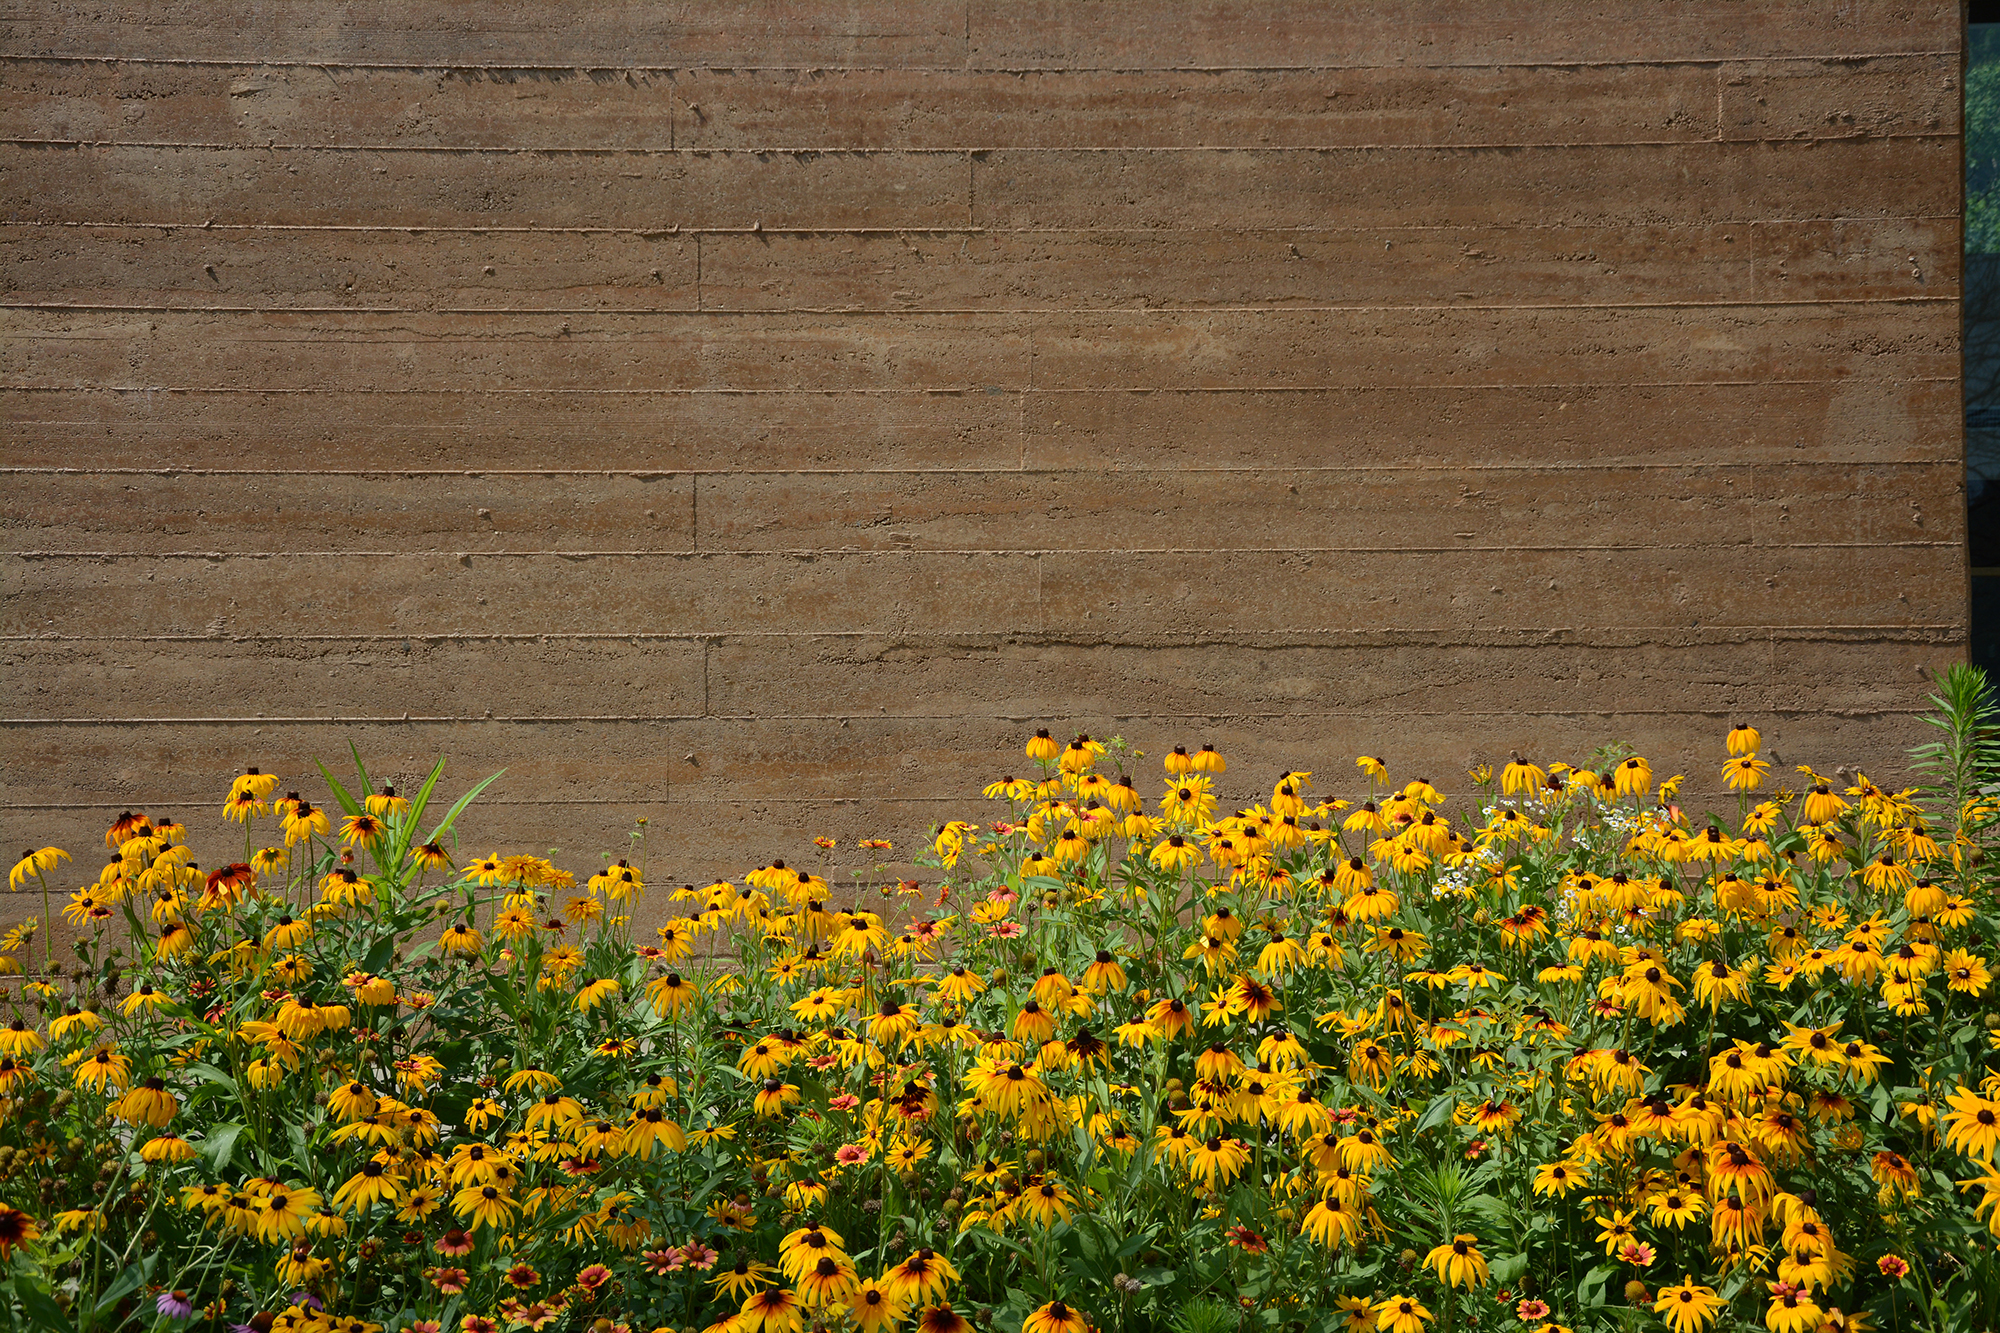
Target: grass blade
[
  {"x": 459, "y": 807},
  {"x": 416, "y": 812},
  {"x": 367, "y": 783},
  {"x": 347, "y": 802}
]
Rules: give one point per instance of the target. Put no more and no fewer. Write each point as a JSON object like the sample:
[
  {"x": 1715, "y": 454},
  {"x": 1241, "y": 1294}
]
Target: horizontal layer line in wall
[
  {"x": 617, "y": 319},
  {"x": 949, "y": 392},
  {"x": 963, "y": 150},
  {"x": 1167, "y": 638},
  {"x": 649, "y": 474},
  {"x": 836, "y": 553},
  {"x": 1271, "y": 307},
  {"x": 901, "y": 718},
  {"x": 454, "y": 68},
  {"x": 506, "y": 229}
]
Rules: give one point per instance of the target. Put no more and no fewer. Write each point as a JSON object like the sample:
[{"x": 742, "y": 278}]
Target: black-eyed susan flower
[
  {"x": 773, "y": 1310},
  {"x": 894, "y": 1023},
  {"x": 1458, "y": 1261},
  {"x": 594, "y": 993},
  {"x": 103, "y": 1068},
  {"x": 1214, "y": 1162},
  {"x": 873, "y": 1308},
  {"x": 167, "y": 1148},
  {"x": 286, "y": 932},
  {"x": 1792, "y": 1309},
  {"x": 385, "y": 803},
  {"x": 351, "y": 1101},
  {"x": 804, "y": 1246},
  {"x": 368, "y": 1186},
  {"x": 1966, "y": 972},
  {"x": 430, "y": 855},
  {"x": 1372, "y": 1063},
  {"x": 369, "y": 989},
  {"x": 1401, "y": 1314},
  {"x": 1615, "y": 1230},
  {"x": 362, "y": 830},
  {"x": 484, "y": 1206},
  {"x": 1688, "y": 1307},
  {"x": 1862, "y": 1061},
  {"x": 244, "y": 805},
  {"x": 283, "y": 1212},
  {"x": 1521, "y": 778},
  {"x": 828, "y": 1282},
  {"x": 514, "y": 924},
  {"x": 773, "y": 1096},
  {"x": 1495, "y": 1116},
  {"x": 1104, "y": 974},
  {"x": 1744, "y": 773},
  {"x": 1892, "y": 1171},
  {"x": 941, "y": 1319},
  {"x": 1333, "y": 1223},
  {"x": 17, "y": 1230},
  {"x": 1736, "y": 1223},
  {"x": 1676, "y": 1208},
  {"x": 1972, "y": 1124},
  {"x": 303, "y": 821},
  {"x": 1055, "y": 1317},
  {"x": 36, "y": 864},
  {"x": 1253, "y": 999},
  {"x": 1216, "y": 954},
  {"x": 959, "y": 985},
  {"x": 925, "y": 1276},
  {"x": 255, "y": 783},
  {"x": 649, "y": 1125},
  {"x": 1187, "y": 804},
  {"x": 18, "y": 1038},
  {"x": 1557, "y": 1180},
  {"x": 461, "y": 940},
  {"x": 1046, "y": 1203},
  {"x": 741, "y": 1279},
  {"x": 1633, "y": 777},
  {"x": 671, "y": 994}
]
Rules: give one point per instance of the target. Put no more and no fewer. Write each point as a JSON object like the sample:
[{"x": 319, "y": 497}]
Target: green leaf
[
  {"x": 380, "y": 956},
  {"x": 1590, "y": 1292},
  {"x": 40, "y": 1307},
  {"x": 1438, "y": 1112},
  {"x": 208, "y": 1073},
  {"x": 347, "y": 803},
  {"x": 218, "y": 1146},
  {"x": 1507, "y": 1269},
  {"x": 406, "y": 827},
  {"x": 459, "y": 807},
  {"x": 1007, "y": 1243},
  {"x": 127, "y": 1281},
  {"x": 367, "y": 784}
]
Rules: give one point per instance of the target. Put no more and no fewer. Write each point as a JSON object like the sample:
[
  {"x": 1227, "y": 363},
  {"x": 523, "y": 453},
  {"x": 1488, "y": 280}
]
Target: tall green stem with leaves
[{"x": 1963, "y": 764}]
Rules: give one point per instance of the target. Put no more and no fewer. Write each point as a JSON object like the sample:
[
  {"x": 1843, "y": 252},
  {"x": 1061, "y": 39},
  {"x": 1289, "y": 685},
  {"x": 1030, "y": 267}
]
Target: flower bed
[{"x": 1570, "y": 1057}]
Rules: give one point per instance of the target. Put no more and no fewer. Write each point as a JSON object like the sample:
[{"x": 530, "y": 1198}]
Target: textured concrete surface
[{"x": 756, "y": 417}]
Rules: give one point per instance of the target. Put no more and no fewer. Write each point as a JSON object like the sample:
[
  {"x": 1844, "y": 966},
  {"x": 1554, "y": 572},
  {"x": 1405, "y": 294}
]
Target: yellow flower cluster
[{"x": 1138, "y": 1036}]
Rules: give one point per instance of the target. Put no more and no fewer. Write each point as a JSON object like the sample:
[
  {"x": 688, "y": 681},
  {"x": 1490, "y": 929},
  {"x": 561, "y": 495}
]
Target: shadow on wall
[
  {"x": 1982, "y": 451},
  {"x": 1982, "y": 335}
]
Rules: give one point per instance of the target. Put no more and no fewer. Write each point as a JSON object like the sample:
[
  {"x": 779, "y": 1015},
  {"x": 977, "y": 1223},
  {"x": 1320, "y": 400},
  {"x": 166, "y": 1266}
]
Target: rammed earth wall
[{"x": 756, "y": 416}]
